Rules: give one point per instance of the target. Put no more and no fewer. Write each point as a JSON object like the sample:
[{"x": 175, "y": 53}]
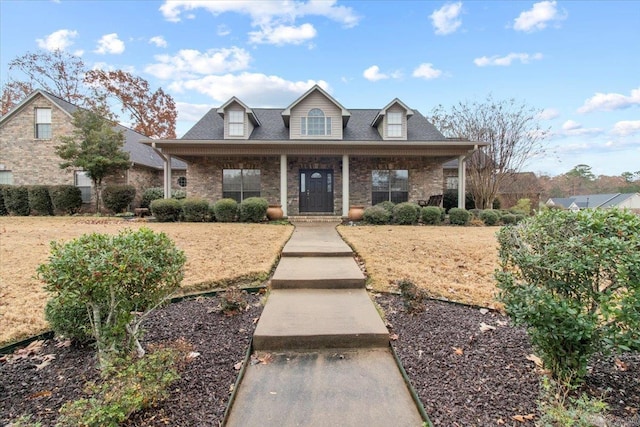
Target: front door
[{"x": 316, "y": 190}]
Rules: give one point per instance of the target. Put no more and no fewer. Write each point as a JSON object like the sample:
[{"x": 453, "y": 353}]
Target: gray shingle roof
[
  {"x": 211, "y": 127},
  {"x": 593, "y": 200}
]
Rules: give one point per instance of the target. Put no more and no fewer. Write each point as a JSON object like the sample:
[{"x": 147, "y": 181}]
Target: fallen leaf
[
  {"x": 237, "y": 366},
  {"x": 45, "y": 393},
  {"x": 500, "y": 421},
  {"x": 483, "y": 311},
  {"x": 46, "y": 361},
  {"x": 523, "y": 418},
  {"x": 620, "y": 365},
  {"x": 64, "y": 343},
  {"x": 192, "y": 355},
  {"x": 393, "y": 337},
  {"x": 535, "y": 359},
  {"x": 485, "y": 328},
  {"x": 266, "y": 358},
  {"x": 458, "y": 351}
]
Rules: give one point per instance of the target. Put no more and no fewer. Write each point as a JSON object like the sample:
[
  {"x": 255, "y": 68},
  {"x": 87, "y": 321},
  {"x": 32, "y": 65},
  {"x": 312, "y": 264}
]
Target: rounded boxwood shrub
[
  {"x": 66, "y": 199},
  {"x": 40, "y": 200},
  {"x": 151, "y": 194},
  {"x": 166, "y": 210},
  {"x": 388, "y": 205},
  {"x": 508, "y": 219},
  {"x": 431, "y": 215},
  {"x": 226, "y": 210},
  {"x": 69, "y": 317},
  {"x": 489, "y": 217},
  {"x": 253, "y": 209},
  {"x": 459, "y": 216},
  {"x": 195, "y": 209},
  {"x": 520, "y": 217},
  {"x": 406, "y": 213},
  {"x": 16, "y": 200},
  {"x": 117, "y": 197},
  {"x": 376, "y": 215}
]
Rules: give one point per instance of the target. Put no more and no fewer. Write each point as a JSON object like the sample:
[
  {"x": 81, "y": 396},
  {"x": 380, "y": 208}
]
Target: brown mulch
[{"x": 464, "y": 377}]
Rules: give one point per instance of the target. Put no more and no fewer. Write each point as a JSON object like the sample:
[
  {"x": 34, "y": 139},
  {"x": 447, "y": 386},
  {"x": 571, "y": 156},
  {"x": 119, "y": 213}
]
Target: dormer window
[
  {"x": 236, "y": 123},
  {"x": 394, "y": 124},
  {"x": 315, "y": 123}
]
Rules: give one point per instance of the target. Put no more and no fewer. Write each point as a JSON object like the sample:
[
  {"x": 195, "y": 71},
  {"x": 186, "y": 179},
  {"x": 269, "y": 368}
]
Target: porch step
[
  {"x": 304, "y": 319},
  {"x": 314, "y": 218},
  {"x": 336, "y": 272}
]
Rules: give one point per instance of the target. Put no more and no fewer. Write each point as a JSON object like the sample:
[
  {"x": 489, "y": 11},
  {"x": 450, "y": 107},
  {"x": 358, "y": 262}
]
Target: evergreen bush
[
  {"x": 508, "y": 219},
  {"x": 459, "y": 216},
  {"x": 40, "y": 200},
  {"x": 431, "y": 215},
  {"x": 253, "y": 209},
  {"x": 16, "y": 200},
  {"x": 226, "y": 210},
  {"x": 3, "y": 209},
  {"x": 151, "y": 194},
  {"x": 66, "y": 199},
  {"x": 388, "y": 205},
  {"x": 195, "y": 209},
  {"x": 376, "y": 215},
  {"x": 166, "y": 210},
  {"x": 489, "y": 217},
  {"x": 118, "y": 197},
  {"x": 406, "y": 213}
]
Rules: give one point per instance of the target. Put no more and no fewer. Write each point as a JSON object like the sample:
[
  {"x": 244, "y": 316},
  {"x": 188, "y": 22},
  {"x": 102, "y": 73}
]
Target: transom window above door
[{"x": 315, "y": 123}]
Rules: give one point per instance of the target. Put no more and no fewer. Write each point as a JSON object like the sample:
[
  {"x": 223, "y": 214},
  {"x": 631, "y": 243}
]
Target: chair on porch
[{"x": 433, "y": 201}]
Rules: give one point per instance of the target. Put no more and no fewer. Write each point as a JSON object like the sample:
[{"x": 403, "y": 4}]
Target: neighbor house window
[
  {"x": 391, "y": 185},
  {"x": 236, "y": 123},
  {"x": 316, "y": 123},
  {"x": 43, "y": 123},
  {"x": 83, "y": 182},
  {"x": 240, "y": 184},
  {"x": 452, "y": 183},
  {"x": 394, "y": 124},
  {"x": 6, "y": 178}
]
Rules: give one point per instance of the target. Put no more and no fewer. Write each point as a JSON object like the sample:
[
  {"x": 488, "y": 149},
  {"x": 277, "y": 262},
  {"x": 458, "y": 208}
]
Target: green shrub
[
  {"x": 406, "y": 213},
  {"x": 119, "y": 279},
  {"x": 412, "y": 295},
  {"x": 520, "y": 217},
  {"x": 178, "y": 194},
  {"x": 166, "y": 210},
  {"x": 475, "y": 212},
  {"x": 226, "y": 210},
  {"x": 68, "y": 316},
  {"x": 388, "y": 205},
  {"x": 489, "y": 217},
  {"x": 508, "y": 219},
  {"x": 253, "y": 209},
  {"x": 117, "y": 198},
  {"x": 211, "y": 212},
  {"x": 3, "y": 209},
  {"x": 40, "y": 200},
  {"x": 151, "y": 194},
  {"x": 66, "y": 199},
  {"x": 16, "y": 200},
  {"x": 574, "y": 280},
  {"x": 127, "y": 387},
  {"x": 376, "y": 215},
  {"x": 431, "y": 215},
  {"x": 195, "y": 209},
  {"x": 459, "y": 216}
]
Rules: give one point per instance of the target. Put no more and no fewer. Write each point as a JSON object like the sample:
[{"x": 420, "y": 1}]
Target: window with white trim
[
  {"x": 84, "y": 183},
  {"x": 394, "y": 124},
  {"x": 452, "y": 183},
  {"x": 43, "y": 123},
  {"x": 315, "y": 123},
  {"x": 236, "y": 123},
  {"x": 6, "y": 178},
  {"x": 240, "y": 184},
  {"x": 391, "y": 185}
]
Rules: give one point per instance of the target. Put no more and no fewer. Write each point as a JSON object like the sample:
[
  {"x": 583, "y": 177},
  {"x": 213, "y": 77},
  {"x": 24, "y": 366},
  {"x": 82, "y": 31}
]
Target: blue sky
[{"x": 578, "y": 62}]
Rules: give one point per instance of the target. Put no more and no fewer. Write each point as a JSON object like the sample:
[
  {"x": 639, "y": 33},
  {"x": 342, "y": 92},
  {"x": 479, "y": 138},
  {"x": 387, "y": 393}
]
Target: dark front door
[{"x": 316, "y": 190}]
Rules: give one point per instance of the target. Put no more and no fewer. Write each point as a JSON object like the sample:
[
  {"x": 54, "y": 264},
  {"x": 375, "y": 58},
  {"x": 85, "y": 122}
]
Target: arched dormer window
[{"x": 315, "y": 123}]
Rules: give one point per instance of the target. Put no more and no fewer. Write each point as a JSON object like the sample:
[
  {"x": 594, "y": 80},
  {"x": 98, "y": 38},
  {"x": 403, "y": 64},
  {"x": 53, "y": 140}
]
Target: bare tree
[
  {"x": 512, "y": 132},
  {"x": 153, "y": 114},
  {"x": 12, "y": 93}
]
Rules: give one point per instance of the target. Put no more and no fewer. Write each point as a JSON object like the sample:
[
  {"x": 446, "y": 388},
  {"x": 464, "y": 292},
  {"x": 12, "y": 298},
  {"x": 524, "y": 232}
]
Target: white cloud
[
  {"x": 188, "y": 63},
  {"x": 426, "y": 71},
  {"x": 446, "y": 19},
  {"x": 626, "y": 127},
  {"x": 610, "y": 101},
  {"x": 504, "y": 61},
  {"x": 223, "y": 30},
  {"x": 283, "y": 34},
  {"x": 192, "y": 112},
  {"x": 274, "y": 19},
  {"x": 548, "y": 114},
  {"x": 538, "y": 17},
  {"x": 58, "y": 40},
  {"x": 573, "y": 128},
  {"x": 373, "y": 74},
  {"x": 259, "y": 90},
  {"x": 158, "y": 41},
  {"x": 110, "y": 43}
]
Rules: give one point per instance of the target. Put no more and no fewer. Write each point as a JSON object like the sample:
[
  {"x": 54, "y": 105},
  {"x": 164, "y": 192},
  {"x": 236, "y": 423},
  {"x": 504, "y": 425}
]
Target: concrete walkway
[{"x": 322, "y": 349}]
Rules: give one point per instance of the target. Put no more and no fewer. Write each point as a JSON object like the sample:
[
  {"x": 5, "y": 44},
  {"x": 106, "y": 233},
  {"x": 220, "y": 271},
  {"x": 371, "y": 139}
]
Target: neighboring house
[
  {"x": 315, "y": 157},
  {"x": 594, "y": 201},
  {"x": 31, "y": 130}
]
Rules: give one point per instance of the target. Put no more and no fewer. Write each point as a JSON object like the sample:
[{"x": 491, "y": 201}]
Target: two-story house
[
  {"x": 315, "y": 157},
  {"x": 31, "y": 130}
]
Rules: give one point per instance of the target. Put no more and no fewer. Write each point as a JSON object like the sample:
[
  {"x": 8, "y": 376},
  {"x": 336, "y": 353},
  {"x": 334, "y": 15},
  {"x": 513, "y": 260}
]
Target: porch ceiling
[{"x": 196, "y": 148}]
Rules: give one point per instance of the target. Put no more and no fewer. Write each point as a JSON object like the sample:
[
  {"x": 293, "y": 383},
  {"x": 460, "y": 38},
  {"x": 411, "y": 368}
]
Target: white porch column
[
  {"x": 345, "y": 185},
  {"x": 462, "y": 182},
  {"x": 167, "y": 176},
  {"x": 283, "y": 183}
]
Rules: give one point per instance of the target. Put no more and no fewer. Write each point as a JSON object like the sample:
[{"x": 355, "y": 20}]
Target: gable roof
[
  {"x": 248, "y": 110},
  {"x": 287, "y": 111},
  {"x": 139, "y": 153},
  {"x": 382, "y": 112}
]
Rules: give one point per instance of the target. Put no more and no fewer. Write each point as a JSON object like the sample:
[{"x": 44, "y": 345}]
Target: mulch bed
[{"x": 464, "y": 376}]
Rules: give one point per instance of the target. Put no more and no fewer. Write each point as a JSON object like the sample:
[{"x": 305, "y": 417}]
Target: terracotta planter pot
[
  {"x": 356, "y": 213},
  {"x": 275, "y": 212}
]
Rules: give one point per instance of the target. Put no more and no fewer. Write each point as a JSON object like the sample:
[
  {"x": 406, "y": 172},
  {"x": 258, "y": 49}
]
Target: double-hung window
[
  {"x": 240, "y": 184},
  {"x": 236, "y": 123},
  {"x": 391, "y": 185},
  {"x": 315, "y": 123},
  {"x": 394, "y": 124},
  {"x": 6, "y": 178},
  {"x": 43, "y": 123},
  {"x": 83, "y": 182}
]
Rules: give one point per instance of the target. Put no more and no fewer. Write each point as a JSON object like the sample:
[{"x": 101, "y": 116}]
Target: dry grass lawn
[
  {"x": 455, "y": 263},
  {"x": 215, "y": 253}
]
